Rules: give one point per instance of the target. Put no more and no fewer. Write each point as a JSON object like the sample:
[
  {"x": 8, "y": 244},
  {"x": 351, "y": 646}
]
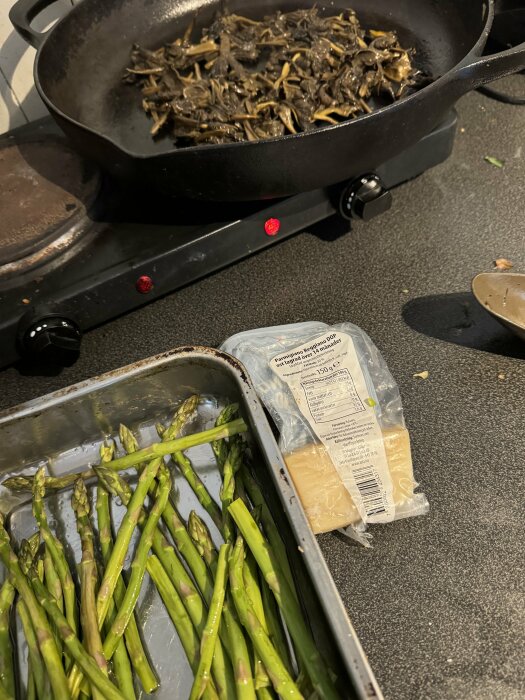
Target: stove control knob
[
  {"x": 365, "y": 198},
  {"x": 52, "y": 340}
]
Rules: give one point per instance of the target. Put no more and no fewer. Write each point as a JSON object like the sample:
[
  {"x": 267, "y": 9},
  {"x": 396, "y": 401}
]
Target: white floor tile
[
  {"x": 11, "y": 115},
  {"x": 16, "y": 65}
]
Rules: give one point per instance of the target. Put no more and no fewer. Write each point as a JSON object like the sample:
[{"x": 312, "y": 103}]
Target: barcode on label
[{"x": 370, "y": 490}]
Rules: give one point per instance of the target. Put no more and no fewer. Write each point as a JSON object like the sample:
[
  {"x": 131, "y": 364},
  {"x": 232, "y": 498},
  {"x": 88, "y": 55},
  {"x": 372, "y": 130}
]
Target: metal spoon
[{"x": 502, "y": 294}]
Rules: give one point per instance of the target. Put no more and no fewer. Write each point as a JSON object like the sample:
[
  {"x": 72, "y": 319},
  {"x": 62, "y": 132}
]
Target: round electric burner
[{"x": 46, "y": 193}]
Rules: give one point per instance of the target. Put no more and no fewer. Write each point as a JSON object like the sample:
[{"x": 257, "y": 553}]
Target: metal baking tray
[{"x": 64, "y": 430}]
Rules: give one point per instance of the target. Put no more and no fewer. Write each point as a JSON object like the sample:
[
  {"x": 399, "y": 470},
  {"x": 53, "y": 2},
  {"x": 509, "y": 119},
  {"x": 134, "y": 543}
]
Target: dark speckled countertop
[{"x": 439, "y": 601}]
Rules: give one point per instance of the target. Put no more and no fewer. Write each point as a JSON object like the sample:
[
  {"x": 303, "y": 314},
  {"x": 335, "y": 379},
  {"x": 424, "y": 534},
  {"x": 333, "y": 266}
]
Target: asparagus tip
[
  {"x": 128, "y": 440},
  {"x": 227, "y": 414},
  {"x": 186, "y": 409},
  {"x": 113, "y": 483},
  {"x": 18, "y": 483},
  {"x": 107, "y": 450},
  {"x": 80, "y": 500},
  {"x": 39, "y": 484}
]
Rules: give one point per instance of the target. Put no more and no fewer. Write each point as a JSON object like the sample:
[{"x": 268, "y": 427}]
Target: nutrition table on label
[{"x": 333, "y": 396}]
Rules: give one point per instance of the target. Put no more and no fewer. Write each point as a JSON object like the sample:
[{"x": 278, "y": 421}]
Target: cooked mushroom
[{"x": 248, "y": 80}]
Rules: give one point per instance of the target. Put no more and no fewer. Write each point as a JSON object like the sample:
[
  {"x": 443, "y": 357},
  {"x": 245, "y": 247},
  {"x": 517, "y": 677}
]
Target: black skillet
[{"x": 81, "y": 61}]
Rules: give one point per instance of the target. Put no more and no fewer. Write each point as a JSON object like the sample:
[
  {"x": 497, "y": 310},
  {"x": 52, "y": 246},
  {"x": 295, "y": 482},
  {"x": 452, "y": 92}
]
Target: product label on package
[{"x": 326, "y": 380}]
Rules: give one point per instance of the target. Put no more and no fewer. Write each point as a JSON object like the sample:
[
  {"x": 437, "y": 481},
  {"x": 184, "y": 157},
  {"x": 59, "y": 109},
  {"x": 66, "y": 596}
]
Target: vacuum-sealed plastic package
[{"x": 340, "y": 418}]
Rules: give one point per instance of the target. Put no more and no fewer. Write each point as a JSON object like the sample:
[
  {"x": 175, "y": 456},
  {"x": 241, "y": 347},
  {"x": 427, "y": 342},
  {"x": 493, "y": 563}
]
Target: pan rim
[
  {"x": 475, "y": 52},
  {"x": 497, "y": 314}
]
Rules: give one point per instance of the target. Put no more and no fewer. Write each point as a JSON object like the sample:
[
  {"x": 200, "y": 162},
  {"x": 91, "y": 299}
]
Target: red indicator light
[
  {"x": 144, "y": 284},
  {"x": 272, "y": 226}
]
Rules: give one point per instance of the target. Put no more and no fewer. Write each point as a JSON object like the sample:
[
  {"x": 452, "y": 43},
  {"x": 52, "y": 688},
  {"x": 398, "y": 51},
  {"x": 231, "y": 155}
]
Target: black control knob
[
  {"x": 365, "y": 198},
  {"x": 51, "y": 340}
]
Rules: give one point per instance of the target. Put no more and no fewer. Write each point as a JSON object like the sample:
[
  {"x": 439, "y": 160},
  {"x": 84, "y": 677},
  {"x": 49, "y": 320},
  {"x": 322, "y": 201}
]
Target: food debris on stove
[
  {"x": 246, "y": 80},
  {"x": 496, "y": 162},
  {"x": 503, "y": 264}
]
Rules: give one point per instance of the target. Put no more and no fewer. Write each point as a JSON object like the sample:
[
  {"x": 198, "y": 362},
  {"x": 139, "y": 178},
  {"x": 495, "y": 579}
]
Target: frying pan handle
[
  {"x": 487, "y": 68},
  {"x": 23, "y": 13}
]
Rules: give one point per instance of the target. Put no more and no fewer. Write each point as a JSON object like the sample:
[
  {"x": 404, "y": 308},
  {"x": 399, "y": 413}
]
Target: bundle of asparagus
[{"x": 233, "y": 605}]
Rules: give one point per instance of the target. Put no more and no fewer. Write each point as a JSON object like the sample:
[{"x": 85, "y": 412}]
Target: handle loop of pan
[{"x": 23, "y": 13}]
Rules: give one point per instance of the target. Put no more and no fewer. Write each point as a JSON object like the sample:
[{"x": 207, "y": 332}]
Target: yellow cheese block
[{"x": 325, "y": 499}]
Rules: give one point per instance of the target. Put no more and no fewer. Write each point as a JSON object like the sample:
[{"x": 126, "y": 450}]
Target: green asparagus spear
[
  {"x": 251, "y": 584},
  {"x": 230, "y": 467},
  {"x": 26, "y": 555},
  {"x": 46, "y": 642},
  {"x": 273, "y": 574},
  {"x": 52, "y": 580},
  {"x": 55, "y": 550},
  {"x": 7, "y": 676},
  {"x": 27, "y": 558},
  {"x": 281, "y": 679},
  {"x": 275, "y": 626},
  {"x": 265, "y": 693},
  {"x": 158, "y": 450},
  {"x": 229, "y": 460},
  {"x": 238, "y": 651},
  {"x": 179, "y": 617},
  {"x": 269, "y": 526},
  {"x": 121, "y": 661},
  {"x": 188, "y": 551},
  {"x": 164, "y": 551},
  {"x": 31, "y": 685},
  {"x": 220, "y": 447},
  {"x": 38, "y": 670},
  {"x": 170, "y": 516},
  {"x": 138, "y": 568},
  {"x": 221, "y": 451},
  {"x": 25, "y": 483},
  {"x": 201, "y": 537},
  {"x": 124, "y": 535},
  {"x": 54, "y": 587},
  {"x": 183, "y": 414},
  {"x": 211, "y": 630},
  {"x": 253, "y": 592},
  {"x": 82, "y": 658},
  {"x": 4, "y": 695},
  {"x": 19, "y": 483},
  {"x": 176, "y": 610},
  {"x": 181, "y": 581},
  {"x": 33, "y": 544},
  {"x": 235, "y": 642},
  {"x": 118, "y": 556},
  {"x": 129, "y": 441},
  {"x": 272, "y": 533},
  {"x": 88, "y": 581},
  {"x": 197, "y": 485}
]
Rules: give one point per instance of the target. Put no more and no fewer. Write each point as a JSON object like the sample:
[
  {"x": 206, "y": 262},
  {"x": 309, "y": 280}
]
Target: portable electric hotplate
[{"x": 78, "y": 248}]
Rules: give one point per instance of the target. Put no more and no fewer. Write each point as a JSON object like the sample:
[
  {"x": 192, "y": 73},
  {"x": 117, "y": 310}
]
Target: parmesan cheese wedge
[{"x": 326, "y": 501}]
